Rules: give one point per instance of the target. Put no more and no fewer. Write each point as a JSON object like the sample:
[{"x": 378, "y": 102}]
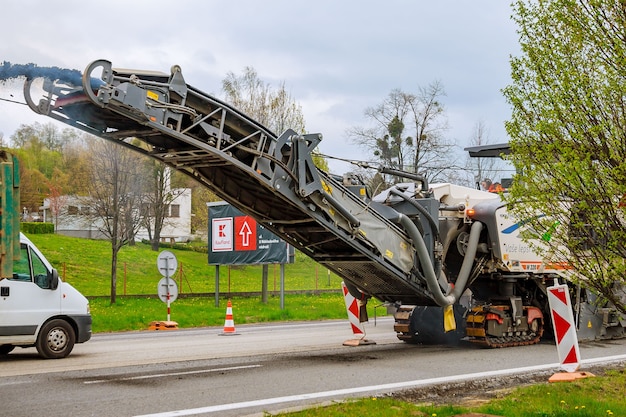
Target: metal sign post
[{"x": 167, "y": 288}]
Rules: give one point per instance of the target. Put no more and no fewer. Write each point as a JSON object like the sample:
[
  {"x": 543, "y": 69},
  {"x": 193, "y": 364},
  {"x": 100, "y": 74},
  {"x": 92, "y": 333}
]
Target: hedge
[{"x": 38, "y": 228}]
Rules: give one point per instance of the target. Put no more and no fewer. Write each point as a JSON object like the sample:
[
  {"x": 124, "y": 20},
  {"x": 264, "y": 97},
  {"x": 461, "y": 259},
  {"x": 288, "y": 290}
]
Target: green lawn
[
  {"x": 86, "y": 264},
  {"x": 130, "y": 313}
]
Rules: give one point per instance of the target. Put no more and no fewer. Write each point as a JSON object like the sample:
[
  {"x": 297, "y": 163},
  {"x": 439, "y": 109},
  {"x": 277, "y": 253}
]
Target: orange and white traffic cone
[{"x": 229, "y": 323}]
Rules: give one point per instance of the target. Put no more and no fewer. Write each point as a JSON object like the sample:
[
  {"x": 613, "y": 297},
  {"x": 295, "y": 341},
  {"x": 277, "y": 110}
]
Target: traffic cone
[{"x": 229, "y": 323}]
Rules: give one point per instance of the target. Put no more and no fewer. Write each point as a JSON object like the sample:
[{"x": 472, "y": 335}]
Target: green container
[{"x": 9, "y": 213}]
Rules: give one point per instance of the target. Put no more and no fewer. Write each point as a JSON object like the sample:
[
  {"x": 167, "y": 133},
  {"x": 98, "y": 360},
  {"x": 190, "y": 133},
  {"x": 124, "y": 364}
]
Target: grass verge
[
  {"x": 591, "y": 397},
  {"x": 137, "y": 313},
  {"x": 86, "y": 264}
]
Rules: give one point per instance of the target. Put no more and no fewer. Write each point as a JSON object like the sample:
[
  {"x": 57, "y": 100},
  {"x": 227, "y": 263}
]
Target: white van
[{"x": 38, "y": 309}]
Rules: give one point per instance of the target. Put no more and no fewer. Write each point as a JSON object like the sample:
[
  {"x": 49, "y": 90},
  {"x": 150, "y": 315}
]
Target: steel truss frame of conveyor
[{"x": 270, "y": 178}]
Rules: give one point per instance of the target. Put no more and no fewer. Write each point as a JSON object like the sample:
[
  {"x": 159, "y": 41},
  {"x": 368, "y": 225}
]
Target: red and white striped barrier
[
  {"x": 352, "y": 306},
  {"x": 564, "y": 327}
]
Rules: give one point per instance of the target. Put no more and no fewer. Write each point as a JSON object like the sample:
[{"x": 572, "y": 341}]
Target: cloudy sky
[{"x": 336, "y": 57}]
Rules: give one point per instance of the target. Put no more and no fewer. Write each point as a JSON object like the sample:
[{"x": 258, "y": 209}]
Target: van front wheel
[{"x": 56, "y": 339}]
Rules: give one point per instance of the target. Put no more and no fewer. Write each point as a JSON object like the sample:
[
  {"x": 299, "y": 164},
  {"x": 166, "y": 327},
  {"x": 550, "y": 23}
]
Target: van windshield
[
  {"x": 21, "y": 267},
  {"x": 22, "y": 270}
]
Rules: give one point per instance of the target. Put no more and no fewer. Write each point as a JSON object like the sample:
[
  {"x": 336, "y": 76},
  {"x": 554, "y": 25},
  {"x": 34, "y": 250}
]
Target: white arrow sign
[{"x": 245, "y": 233}]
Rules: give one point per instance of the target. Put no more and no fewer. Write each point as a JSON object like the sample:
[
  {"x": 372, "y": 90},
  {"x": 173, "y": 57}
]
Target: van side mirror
[{"x": 53, "y": 278}]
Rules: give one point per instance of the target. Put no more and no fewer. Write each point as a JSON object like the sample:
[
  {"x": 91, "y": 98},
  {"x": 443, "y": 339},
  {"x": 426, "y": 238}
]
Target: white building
[{"x": 75, "y": 218}]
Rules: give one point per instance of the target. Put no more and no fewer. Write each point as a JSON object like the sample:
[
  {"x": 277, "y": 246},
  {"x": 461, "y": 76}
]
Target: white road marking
[
  {"x": 200, "y": 371},
  {"x": 373, "y": 388},
  {"x": 5, "y": 383}
]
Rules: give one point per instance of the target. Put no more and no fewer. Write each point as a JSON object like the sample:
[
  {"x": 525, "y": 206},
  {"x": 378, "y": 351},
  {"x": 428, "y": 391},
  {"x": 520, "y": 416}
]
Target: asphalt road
[{"x": 261, "y": 368}]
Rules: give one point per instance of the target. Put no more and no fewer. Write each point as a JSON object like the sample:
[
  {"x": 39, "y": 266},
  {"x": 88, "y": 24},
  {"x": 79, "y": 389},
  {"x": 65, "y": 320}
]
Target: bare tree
[
  {"x": 275, "y": 109},
  {"x": 46, "y": 136},
  {"x": 157, "y": 200},
  {"x": 481, "y": 168},
  {"x": 115, "y": 190},
  {"x": 408, "y": 133},
  {"x": 58, "y": 201}
]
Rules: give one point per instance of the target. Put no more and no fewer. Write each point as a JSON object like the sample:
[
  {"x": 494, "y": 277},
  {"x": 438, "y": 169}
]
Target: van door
[{"x": 27, "y": 299}]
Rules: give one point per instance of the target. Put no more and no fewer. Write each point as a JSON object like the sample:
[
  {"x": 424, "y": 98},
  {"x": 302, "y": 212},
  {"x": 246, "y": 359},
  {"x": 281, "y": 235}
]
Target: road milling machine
[{"x": 448, "y": 260}]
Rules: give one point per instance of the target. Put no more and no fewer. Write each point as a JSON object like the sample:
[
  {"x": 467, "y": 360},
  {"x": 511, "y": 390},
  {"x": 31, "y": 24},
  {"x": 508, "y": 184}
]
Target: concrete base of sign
[
  {"x": 569, "y": 376},
  {"x": 358, "y": 342},
  {"x": 163, "y": 325}
]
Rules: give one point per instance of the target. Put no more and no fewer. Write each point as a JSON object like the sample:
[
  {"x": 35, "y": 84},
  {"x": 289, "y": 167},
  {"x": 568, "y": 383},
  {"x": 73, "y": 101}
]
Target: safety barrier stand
[
  {"x": 163, "y": 325},
  {"x": 353, "y": 308},
  {"x": 565, "y": 334}
]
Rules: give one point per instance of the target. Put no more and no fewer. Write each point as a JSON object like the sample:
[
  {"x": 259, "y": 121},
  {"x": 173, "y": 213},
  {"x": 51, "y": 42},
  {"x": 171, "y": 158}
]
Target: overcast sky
[{"x": 336, "y": 57}]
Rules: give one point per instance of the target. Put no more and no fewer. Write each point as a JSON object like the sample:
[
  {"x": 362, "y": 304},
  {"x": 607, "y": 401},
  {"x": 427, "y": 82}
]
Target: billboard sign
[{"x": 238, "y": 239}]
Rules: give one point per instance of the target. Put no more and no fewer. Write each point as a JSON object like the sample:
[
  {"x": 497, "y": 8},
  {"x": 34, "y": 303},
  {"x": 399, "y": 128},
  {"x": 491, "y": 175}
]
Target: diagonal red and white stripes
[
  {"x": 352, "y": 306},
  {"x": 564, "y": 327}
]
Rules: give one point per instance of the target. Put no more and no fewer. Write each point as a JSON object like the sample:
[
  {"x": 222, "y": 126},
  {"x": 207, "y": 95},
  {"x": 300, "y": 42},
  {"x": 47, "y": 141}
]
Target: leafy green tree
[
  {"x": 38, "y": 148},
  {"x": 77, "y": 166},
  {"x": 33, "y": 188},
  {"x": 568, "y": 134}
]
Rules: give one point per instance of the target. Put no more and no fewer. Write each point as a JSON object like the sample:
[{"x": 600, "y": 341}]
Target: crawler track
[{"x": 489, "y": 326}]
